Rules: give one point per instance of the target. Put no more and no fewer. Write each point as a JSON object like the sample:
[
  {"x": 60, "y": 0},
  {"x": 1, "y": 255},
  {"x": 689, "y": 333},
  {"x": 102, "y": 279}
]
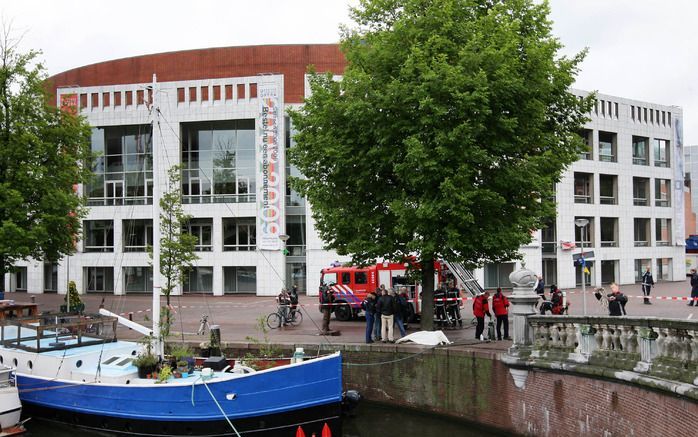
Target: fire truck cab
[{"x": 351, "y": 284}]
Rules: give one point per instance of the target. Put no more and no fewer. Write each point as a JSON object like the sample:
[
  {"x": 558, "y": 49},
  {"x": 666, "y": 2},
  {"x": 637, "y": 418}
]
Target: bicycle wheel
[
  {"x": 274, "y": 320},
  {"x": 295, "y": 318}
]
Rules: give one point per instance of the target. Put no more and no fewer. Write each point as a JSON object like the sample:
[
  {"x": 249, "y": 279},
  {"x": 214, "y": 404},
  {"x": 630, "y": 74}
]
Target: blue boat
[{"x": 77, "y": 372}]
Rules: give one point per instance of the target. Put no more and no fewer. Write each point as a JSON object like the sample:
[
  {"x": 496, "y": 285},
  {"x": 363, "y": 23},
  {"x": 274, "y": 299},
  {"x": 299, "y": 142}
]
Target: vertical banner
[
  {"x": 679, "y": 229},
  {"x": 69, "y": 103},
  {"x": 269, "y": 192}
]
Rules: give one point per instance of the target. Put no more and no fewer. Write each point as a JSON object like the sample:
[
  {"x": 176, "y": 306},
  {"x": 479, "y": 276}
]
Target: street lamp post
[
  {"x": 581, "y": 223},
  {"x": 284, "y": 238}
]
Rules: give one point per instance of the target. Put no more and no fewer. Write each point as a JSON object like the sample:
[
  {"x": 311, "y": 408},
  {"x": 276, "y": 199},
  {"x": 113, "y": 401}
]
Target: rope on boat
[{"x": 217, "y": 404}]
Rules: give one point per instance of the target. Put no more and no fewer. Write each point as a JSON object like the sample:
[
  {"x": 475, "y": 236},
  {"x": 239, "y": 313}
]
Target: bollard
[
  {"x": 130, "y": 317},
  {"x": 215, "y": 340}
]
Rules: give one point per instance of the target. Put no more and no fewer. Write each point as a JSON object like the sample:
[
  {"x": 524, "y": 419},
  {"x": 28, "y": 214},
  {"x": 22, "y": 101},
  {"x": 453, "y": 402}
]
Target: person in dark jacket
[
  {"x": 694, "y": 288},
  {"x": 398, "y": 311},
  {"x": 377, "y": 319},
  {"x": 326, "y": 301},
  {"x": 452, "y": 309},
  {"x": 384, "y": 307},
  {"x": 440, "y": 317},
  {"x": 616, "y": 301},
  {"x": 500, "y": 307},
  {"x": 369, "y": 307},
  {"x": 480, "y": 309},
  {"x": 647, "y": 284},
  {"x": 540, "y": 287}
]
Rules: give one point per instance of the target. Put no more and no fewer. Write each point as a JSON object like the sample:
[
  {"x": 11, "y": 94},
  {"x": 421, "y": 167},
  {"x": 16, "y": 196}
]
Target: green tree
[
  {"x": 176, "y": 246},
  {"x": 445, "y": 136},
  {"x": 41, "y": 151}
]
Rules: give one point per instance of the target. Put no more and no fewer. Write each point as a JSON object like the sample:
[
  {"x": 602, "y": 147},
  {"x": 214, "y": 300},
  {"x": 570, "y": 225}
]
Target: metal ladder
[{"x": 465, "y": 278}]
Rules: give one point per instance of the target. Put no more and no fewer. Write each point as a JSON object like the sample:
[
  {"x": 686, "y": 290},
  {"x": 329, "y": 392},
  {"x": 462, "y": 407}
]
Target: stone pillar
[
  {"x": 648, "y": 349},
  {"x": 523, "y": 304}
]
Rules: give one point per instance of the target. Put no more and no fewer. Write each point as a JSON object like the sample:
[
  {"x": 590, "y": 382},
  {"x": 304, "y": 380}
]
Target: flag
[
  {"x": 567, "y": 245},
  {"x": 586, "y": 270}
]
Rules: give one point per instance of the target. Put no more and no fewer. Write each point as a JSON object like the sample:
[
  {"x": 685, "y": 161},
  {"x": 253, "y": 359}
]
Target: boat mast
[{"x": 156, "y": 220}]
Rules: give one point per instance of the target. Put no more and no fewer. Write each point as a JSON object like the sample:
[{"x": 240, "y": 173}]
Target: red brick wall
[{"x": 290, "y": 60}]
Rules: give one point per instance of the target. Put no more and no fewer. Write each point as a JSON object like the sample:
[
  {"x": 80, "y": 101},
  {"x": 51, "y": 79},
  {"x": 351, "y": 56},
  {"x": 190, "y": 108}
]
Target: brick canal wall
[{"x": 478, "y": 387}]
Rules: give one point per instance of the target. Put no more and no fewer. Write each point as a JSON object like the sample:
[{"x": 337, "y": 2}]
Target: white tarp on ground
[{"x": 428, "y": 338}]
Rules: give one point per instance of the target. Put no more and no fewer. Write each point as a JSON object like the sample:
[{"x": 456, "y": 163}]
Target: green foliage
[
  {"x": 73, "y": 294},
  {"x": 446, "y": 135},
  {"x": 266, "y": 348},
  {"x": 41, "y": 151},
  {"x": 164, "y": 374},
  {"x": 145, "y": 360},
  {"x": 180, "y": 350}
]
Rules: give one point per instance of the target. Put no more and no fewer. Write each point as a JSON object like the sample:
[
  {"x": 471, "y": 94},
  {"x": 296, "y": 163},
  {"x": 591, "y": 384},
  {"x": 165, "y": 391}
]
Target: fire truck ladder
[{"x": 465, "y": 278}]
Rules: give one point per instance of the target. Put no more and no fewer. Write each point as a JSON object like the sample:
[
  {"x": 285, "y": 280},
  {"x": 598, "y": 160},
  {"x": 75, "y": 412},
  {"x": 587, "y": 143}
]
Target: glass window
[
  {"x": 346, "y": 278},
  {"x": 138, "y": 279},
  {"x": 202, "y": 229},
  {"x": 99, "y": 279},
  {"x": 641, "y": 191},
  {"x": 641, "y": 150},
  {"x": 20, "y": 279},
  {"x": 583, "y": 188},
  {"x": 99, "y": 236},
  {"x": 607, "y": 146},
  {"x": 50, "y": 277},
  {"x": 239, "y": 279},
  {"x": 662, "y": 234},
  {"x": 642, "y": 232},
  {"x": 199, "y": 280},
  {"x": 360, "y": 278},
  {"x": 662, "y": 192},
  {"x": 584, "y": 235},
  {"x": 296, "y": 275},
  {"x": 608, "y": 189},
  {"x": 239, "y": 234},
  {"x": 329, "y": 278},
  {"x": 497, "y": 275},
  {"x": 640, "y": 266},
  {"x": 609, "y": 232},
  {"x": 661, "y": 153},
  {"x": 588, "y": 274},
  {"x": 609, "y": 269},
  {"x": 664, "y": 266},
  {"x": 295, "y": 228},
  {"x": 137, "y": 235}
]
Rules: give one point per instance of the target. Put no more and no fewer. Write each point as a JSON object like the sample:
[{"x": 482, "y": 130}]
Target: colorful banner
[
  {"x": 679, "y": 230},
  {"x": 69, "y": 103},
  {"x": 270, "y": 193}
]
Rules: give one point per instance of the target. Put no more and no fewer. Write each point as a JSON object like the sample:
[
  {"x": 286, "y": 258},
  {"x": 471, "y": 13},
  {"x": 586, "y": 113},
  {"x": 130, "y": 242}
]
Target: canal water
[{"x": 370, "y": 420}]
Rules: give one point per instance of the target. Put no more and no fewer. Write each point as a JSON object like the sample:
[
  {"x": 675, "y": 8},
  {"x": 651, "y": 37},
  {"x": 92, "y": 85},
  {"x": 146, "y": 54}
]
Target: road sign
[{"x": 587, "y": 255}]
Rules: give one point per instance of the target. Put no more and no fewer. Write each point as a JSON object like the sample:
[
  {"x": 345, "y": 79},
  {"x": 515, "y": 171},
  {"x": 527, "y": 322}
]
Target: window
[
  {"x": 99, "y": 236},
  {"x": 192, "y": 94},
  {"x": 228, "y": 92},
  {"x": 329, "y": 279},
  {"x": 360, "y": 278},
  {"x": 607, "y": 147},
  {"x": 50, "y": 277},
  {"x": 641, "y": 151},
  {"x": 218, "y": 160},
  {"x": 137, "y": 235},
  {"x": 138, "y": 279},
  {"x": 642, "y": 232},
  {"x": 202, "y": 229},
  {"x": 117, "y": 98},
  {"x": 199, "y": 280},
  {"x": 583, "y": 188},
  {"x": 662, "y": 232},
  {"x": 204, "y": 93},
  {"x": 295, "y": 228},
  {"x": 241, "y": 90},
  {"x": 20, "y": 279},
  {"x": 346, "y": 278},
  {"x": 123, "y": 172},
  {"x": 549, "y": 238},
  {"x": 497, "y": 275},
  {"x": 99, "y": 279},
  {"x": 584, "y": 235},
  {"x": 608, "y": 189},
  {"x": 239, "y": 234},
  {"x": 240, "y": 279},
  {"x": 105, "y": 100},
  {"x": 253, "y": 90},
  {"x": 296, "y": 275},
  {"x": 664, "y": 269},
  {"x": 641, "y": 191},
  {"x": 609, "y": 270},
  {"x": 661, "y": 153},
  {"x": 586, "y": 135},
  {"x": 180, "y": 95},
  {"x": 609, "y": 232},
  {"x": 662, "y": 192},
  {"x": 640, "y": 266},
  {"x": 129, "y": 98},
  {"x": 216, "y": 92}
]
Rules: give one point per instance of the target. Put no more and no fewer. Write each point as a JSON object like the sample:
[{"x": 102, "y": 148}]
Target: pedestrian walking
[
  {"x": 480, "y": 309},
  {"x": 384, "y": 307},
  {"x": 694, "y": 288},
  {"x": 399, "y": 311},
  {"x": 616, "y": 300},
  {"x": 369, "y": 307},
  {"x": 377, "y": 319},
  {"x": 647, "y": 284},
  {"x": 500, "y": 307}
]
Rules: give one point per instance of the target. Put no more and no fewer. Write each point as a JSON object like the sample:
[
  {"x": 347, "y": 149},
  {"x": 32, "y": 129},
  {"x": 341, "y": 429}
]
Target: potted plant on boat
[
  {"x": 146, "y": 363},
  {"x": 183, "y": 353},
  {"x": 73, "y": 299}
]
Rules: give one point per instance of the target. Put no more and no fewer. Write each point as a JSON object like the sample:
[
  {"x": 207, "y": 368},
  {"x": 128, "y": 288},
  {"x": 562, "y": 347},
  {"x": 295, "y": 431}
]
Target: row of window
[
  {"x": 239, "y": 234},
  {"x": 206, "y": 93},
  {"x": 608, "y": 231},
  {"x": 649, "y": 115},
  {"x": 114, "y": 99},
  {"x": 610, "y": 270},
  {"x": 608, "y": 148},
  {"x": 608, "y": 190}
]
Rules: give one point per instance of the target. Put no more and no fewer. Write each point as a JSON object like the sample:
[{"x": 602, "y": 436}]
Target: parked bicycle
[{"x": 288, "y": 314}]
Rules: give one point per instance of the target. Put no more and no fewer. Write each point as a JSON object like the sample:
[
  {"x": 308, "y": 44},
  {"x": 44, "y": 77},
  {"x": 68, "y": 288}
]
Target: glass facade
[
  {"x": 138, "y": 279},
  {"x": 99, "y": 236},
  {"x": 641, "y": 151},
  {"x": 123, "y": 171},
  {"x": 239, "y": 234},
  {"x": 202, "y": 229},
  {"x": 218, "y": 161},
  {"x": 50, "y": 277},
  {"x": 497, "y": 275},
  {"x": 292, "y": 197},
  {"x": 137, "y": 235},
  {"x": 199, "y": 280},
  {"x": 99, "y": 279},
  {"x": 240, "y": 279},
  {"x": 295, "y": 228}
]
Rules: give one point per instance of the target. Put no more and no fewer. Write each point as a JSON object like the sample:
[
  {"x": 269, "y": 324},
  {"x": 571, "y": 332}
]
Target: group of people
[
  {"x": 288, "y": 302},
  {"x": 384, "y": 309},
  {"x": 500, "y": 308},
  {"x": 447, "y": 303}
]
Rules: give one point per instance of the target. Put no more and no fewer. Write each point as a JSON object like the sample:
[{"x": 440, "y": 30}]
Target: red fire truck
[{"x": 351, "y": 284}]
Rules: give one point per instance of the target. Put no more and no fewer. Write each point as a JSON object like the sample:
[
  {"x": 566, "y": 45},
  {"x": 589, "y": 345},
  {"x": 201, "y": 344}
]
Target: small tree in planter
[
  {"x": 146, "y": 361},
  {"x": 72, "y": 298}
]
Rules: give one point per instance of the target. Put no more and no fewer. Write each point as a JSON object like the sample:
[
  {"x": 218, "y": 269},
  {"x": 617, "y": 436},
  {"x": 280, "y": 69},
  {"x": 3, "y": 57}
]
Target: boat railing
[{"x": 50, "y": 332}]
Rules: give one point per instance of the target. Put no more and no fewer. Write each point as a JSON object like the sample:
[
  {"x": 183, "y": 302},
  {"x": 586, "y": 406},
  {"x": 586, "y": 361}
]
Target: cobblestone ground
[{"x": 238, "y": 315}]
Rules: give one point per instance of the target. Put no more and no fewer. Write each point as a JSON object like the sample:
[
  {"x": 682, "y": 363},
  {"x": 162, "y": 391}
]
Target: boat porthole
[
  {"x": 30, "y": 364},
  {"x": 78, "y": 363},
  {"x": 14, "y": 362},
  {"x": 133, "y": 353},
  {"x": 2, "y": 360},
  {"x": 128, "y": 381}
]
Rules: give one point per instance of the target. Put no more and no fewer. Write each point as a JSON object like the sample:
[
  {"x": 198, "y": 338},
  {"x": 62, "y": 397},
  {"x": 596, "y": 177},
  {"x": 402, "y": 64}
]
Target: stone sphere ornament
[{"x": 523, "y": 278}]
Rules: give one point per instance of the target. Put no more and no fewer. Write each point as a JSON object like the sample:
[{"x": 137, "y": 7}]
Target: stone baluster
[
  {"x": 555, "y": 335},
  {"x": 563, "y": 335},
  {"x": 685, "y": 347},
  {"x": 648, "y": 346},
  {"x": 571, "y": 337},
  {"x": 607, "y": 338},
  {"x": 587, "y": 341},
  {"x": 543, "y": 336},
  {"x": 623, "y": 337},
  {"x": 661, "y": 342},
  {"x": 694, "y": 345},
  {"x": 616, "y": 338},
  {"x": 632, "y": 340},
  {"x": 598, "y": 336}
]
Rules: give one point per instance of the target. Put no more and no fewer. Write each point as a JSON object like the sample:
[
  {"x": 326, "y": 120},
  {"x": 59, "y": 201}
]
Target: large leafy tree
[
  {"x": 445, "y": 136},
  {"x": 41, "y": 151}
]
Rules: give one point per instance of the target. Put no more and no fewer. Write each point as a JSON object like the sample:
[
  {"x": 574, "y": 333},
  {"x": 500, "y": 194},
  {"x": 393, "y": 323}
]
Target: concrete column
[
  {"x": 648, "y": 349},
  {"x": 523, "y": 301}
]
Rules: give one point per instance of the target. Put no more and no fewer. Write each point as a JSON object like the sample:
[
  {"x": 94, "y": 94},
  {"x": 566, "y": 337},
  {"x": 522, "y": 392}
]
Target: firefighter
[
  {"x": 440, "y": 305},
  {"x": 326, "y": 301},
  {"x": 452, "y": 303},
  {"x": 500, "y": 307},
  {"x": 480, "y": 309}
]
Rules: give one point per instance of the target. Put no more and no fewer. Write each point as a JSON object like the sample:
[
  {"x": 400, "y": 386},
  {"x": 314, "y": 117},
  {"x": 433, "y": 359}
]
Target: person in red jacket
[
  {"x": 480, "y": 308},
  {"x": 500, "y": 307}
]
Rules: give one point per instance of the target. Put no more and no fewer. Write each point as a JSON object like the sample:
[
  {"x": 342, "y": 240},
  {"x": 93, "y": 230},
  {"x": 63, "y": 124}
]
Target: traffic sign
[{"x": 587, "y": 255}]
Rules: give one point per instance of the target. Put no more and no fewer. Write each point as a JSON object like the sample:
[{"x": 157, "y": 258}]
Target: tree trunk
[
  {"x": 2, "y": 276},
  {"x": 427, "y": 316}
]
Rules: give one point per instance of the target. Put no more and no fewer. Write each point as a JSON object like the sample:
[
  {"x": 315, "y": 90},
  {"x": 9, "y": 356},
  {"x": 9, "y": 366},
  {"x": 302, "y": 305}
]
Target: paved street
[{"x": 237, "y": 315}]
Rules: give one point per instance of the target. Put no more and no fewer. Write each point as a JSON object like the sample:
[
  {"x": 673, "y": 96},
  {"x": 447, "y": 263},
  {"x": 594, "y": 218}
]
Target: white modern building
[{"x": 220, "y": 114}]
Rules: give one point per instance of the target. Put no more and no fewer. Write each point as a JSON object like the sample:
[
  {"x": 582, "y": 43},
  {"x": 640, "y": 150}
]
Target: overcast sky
[{"x": 640, "y": 49}]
